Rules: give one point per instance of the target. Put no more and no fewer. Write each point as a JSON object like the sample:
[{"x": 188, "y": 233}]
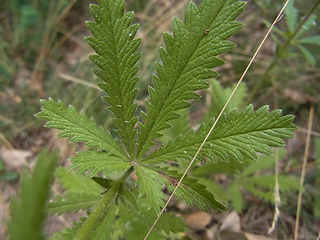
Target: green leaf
[
  {"x": 221, "y": 167},
  {"x": 67, "y": 233},
  {"x": 192, "y": 192},
  {"x": 105, "y": 183},
  {"x": 81, "y": 192},
  {"x": 150, "y": 184},
  {"x": 291, "y": 16},
  {"x": 113, "y": 40},
  {"x": 236, "y": 135},
  {"x": 263, "y": 163},
  {"x": 263, "y": 186},
  {"x": 220, "y": 193},
  {"x": 104, "y": 230},
  {"x": 236, "y": 196},
  {"x": 220, "y": 95},
  {"x": 27, "y": 209},
  {"x": 136, "y": 222},
  {"x": 72, "y": 202},
  {"x": 98, "y": 162},
  {"x": 307, "y": 26},
  {"x": 76, "y": 183},
  {"x": 307, "y": 54},
  {"x": 310, "y": 40},
  {"x": 77, "y": 126},
  {"x": 187, "y": 61}
]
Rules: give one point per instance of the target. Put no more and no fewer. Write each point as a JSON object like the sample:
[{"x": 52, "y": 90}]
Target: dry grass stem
[
  {"x": 303, "y": 172},
  {"x": 277, "y": 199},
  {"x": 79, "y": 81}
]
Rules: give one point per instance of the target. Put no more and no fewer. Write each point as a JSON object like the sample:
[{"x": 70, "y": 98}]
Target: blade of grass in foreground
[{"x": 28, "y": 207}]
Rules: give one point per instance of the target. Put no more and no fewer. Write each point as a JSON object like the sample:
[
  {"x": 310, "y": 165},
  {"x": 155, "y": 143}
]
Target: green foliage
[
  {"x": 97, "y": 162},
  {"x": 186, "y": 63},
  {"x": 296, "y": 39},
  {"x": 192, "y": 192},
  {"x": 77, "y": 127},
  {"x": 123, "y": 220},
  {"x": 117, "y": 63},
  {"x": 234, "y": 138},
  {"x": 80, "y": 193},
  {"x": 316, "y": 203},
  {"x": 260, "y": 185},
  {"x": 27, "y": 208},
  {"x": 219, "y": 95}
]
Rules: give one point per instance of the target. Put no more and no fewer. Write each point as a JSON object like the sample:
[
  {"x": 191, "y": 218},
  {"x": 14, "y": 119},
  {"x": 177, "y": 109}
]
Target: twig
[
  {"x": 216, "y": 121},
  {"x": 303, "y": 171}
]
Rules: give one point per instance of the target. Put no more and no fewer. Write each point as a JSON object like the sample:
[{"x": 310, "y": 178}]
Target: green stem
[
  {"x": 100, "y": 211},
  {"x": 280, "y": 53}
]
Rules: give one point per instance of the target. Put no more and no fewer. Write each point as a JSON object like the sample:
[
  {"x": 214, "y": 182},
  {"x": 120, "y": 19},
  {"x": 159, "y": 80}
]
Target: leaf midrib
[
  {"x": 87, "y": 128},
  {"x": 191, "y": 144},
  {"x": 126, "y": 135},
  {"x": 155, "y": 122}
]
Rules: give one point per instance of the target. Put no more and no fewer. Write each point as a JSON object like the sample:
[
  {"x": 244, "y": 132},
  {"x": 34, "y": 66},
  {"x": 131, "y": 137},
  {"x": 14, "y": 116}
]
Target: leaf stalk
[
  {"x": 280, "y": 53},
  {"x": 101, "y": 210}
]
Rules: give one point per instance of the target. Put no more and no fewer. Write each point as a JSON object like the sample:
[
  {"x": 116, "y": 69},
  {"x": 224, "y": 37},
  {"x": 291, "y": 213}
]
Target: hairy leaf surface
[
  {"x": 76, "y": 183},
  {"x": 192, "y": 192},
  {"x": 187, "y": 61},
  {"x": 77, "y": 126},
  {"x": 80, "y": 192},
  {"x": 98, "y": 162},
  {"x": 72, "y": 202},
  {"x": 150, "y": 184},
  {"x": 113, "y": 40},
  {"x": 236, "y": 135}
]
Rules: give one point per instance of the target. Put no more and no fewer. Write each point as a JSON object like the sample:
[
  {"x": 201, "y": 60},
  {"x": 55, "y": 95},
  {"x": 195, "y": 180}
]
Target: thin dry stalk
[
  {"x": 217, "y": 119},
  {"x": 277, "y": 199},
  {"x": 47, "y": 41},
  {"x": 316, "y": 134},
  {"x": 79, "y": 81},
  {"x": 303, "y": 171}
]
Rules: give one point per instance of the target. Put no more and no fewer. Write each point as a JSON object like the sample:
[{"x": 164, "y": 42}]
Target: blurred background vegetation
[{"x": 43, "y": 54}]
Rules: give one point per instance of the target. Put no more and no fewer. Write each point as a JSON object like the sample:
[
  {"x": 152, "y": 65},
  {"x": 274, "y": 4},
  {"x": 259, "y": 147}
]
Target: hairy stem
[
  {"x": 100, "y": 211},
  {"x": 282, "y": 50}
]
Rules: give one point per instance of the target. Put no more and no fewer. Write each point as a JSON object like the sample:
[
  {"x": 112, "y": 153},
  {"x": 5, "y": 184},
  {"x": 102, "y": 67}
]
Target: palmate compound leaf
[
  {"x": 236, "y": 135},
  {"x": 78, "y": 127},
  {"x": 187, "y": 61},
  {"x": 113, "y": 40}
]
